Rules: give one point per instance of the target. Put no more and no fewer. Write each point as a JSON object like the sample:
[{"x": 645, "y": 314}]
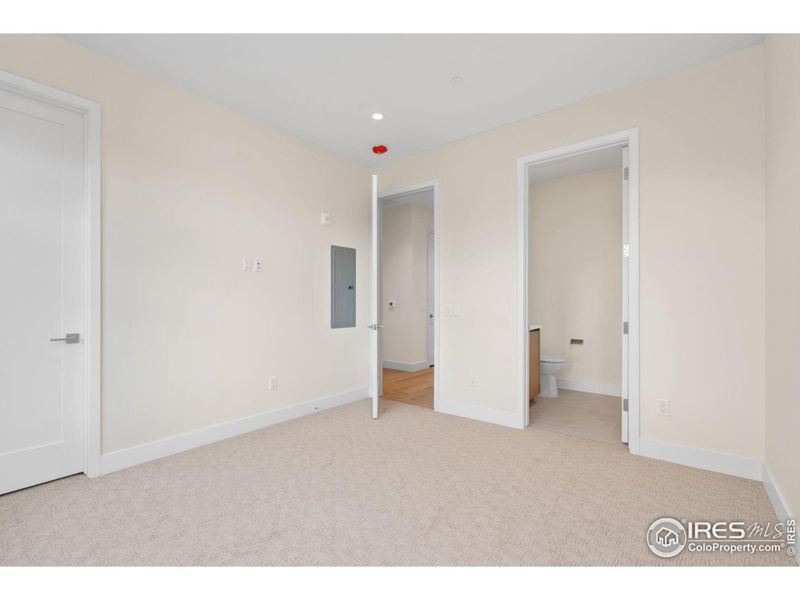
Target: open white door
[
  {"x": 625, "y": 293},
  {"x": 431, "y": 300},
  {"x": 375, "y": 365}
]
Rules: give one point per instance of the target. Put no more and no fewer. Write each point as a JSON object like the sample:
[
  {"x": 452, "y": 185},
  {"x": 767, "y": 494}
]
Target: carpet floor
[
  {"x": 412, "y": 488},
  {"x": 585, "y": 415}
]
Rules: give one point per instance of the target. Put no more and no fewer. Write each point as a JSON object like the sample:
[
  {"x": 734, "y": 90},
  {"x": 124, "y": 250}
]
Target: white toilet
[{"x": 549, "y": 369}]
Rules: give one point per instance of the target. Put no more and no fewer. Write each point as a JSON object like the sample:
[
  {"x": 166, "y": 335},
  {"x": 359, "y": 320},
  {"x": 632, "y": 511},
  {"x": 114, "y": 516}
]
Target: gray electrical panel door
[{"x": 343, "y": 287}]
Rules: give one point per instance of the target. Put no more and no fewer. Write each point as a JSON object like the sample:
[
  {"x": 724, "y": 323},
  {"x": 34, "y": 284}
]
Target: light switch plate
[{"x": 662, "y": 407}]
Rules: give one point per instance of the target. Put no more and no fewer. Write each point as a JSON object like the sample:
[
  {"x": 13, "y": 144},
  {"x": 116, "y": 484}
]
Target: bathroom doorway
[
  {"x": 578, "y": 301},
  {"x": 408, "y": 295}
]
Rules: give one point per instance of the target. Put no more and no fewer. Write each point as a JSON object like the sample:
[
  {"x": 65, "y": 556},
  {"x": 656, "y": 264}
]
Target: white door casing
[
  {"x": 629, "y": 139},
  {"x": 49, "y": 268},
  {"x": 625, "y": 294},
  {"x": 433, "y": 273}
]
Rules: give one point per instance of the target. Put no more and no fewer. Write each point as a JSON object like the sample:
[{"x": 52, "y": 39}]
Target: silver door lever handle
[{"x": 71, "y": 338}]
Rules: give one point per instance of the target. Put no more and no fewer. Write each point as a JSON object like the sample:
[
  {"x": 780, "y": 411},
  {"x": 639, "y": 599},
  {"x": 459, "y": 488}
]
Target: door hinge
[
  {"x": 624, "y": 405},
  {"x": 625, "y": 327},
  {"x": 625, "y": 173}
]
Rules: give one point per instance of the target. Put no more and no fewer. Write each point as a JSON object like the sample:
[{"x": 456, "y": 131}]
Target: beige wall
[
  {"x": 404, "y": 280},
  {"x": 575, "y": 273},
  {"x": 783, "y": 270},
  {"x": 702, "y": 249},
  {"x": 190, "y": 187}
]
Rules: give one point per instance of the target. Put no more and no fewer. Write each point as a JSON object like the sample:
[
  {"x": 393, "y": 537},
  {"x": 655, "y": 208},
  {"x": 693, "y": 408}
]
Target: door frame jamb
[
  {"x": 629, "y": 137},
  {"x": 409, "y": 189}
]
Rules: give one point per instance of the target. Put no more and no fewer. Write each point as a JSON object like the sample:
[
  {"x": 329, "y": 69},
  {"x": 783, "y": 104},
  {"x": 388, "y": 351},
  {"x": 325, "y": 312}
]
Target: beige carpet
[
  {"x": 589, "y": 416},
  {"x": 412, "y": 488}
]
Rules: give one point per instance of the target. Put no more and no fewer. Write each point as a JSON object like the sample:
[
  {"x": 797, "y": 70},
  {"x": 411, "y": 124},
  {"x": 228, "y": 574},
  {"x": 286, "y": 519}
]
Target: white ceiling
[
  {"x": 324, "y": 88},
  {"x": 587, "y": 162}
]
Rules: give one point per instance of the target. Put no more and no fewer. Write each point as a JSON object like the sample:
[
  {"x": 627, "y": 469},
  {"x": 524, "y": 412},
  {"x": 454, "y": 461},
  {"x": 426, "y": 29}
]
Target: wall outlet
[
  {"x": 662, "y": 407},
  {"x": 258, "y": 265},
  {"x": 473, "y": 381},
  {"x": 247, "y": 264},
  {"x": 324, "y": 218},
  {"x": 272, "y": 384}
]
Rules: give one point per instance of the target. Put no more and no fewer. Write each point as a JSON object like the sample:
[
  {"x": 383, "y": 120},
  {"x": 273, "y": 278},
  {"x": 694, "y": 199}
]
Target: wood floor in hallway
[{"x": 409, "y": 387}]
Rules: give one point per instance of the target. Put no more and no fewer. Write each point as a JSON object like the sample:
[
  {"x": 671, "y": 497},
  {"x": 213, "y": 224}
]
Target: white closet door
[{"x": 43, "y": 304}]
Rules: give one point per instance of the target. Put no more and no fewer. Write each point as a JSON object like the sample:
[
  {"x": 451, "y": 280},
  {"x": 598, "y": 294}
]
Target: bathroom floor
[{"x": 584, "y": 415}]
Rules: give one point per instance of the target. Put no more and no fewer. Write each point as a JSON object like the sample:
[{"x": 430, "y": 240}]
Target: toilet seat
[{"x": 550, "y": 359}]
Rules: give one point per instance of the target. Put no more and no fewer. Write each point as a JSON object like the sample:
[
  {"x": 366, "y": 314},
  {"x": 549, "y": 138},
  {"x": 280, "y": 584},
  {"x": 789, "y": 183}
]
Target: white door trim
[
  {"x": 629, "y": 137},
  {"x": 91, "y": 112},
  {"x": 417, "y": 187}
]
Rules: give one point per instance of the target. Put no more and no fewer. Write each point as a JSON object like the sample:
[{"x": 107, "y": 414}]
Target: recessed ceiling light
[
  {"x": 457, "y": 80},
  {"x": 377, "y": 116}
]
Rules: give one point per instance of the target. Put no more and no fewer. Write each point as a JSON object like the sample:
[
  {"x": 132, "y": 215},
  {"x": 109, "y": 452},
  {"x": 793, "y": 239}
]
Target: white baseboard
[
  {"x": 593, "y": 388},
  {"x": 401, "y": 366},
  {"x": 775, "y": 496},
  {"x": 730, "y": 464},
  {"x": 129, "y": 457},
  {"x": 480, "y": 413},
  {"x": 777, "y": 500}
]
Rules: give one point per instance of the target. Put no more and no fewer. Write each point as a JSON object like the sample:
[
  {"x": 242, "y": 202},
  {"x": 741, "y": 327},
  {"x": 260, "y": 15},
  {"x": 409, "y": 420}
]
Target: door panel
[
  {"x": 376, "y": 367},
  {"x": 42, "y": 266}
]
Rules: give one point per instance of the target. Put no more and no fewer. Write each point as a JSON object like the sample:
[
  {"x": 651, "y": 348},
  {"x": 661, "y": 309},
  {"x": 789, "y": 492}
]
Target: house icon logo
[{"x": 666, "y": 537}]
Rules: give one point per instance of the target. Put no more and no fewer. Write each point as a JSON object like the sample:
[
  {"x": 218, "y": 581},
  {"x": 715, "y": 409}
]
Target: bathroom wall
[
  {"x": 404, "y": 281},
  {"x": 783, "y": 273},
  {"x": 575, "y": 275}
]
